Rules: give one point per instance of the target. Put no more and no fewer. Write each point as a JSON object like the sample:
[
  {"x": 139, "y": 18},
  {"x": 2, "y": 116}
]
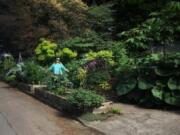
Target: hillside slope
[{"x": 23, "y": 22}]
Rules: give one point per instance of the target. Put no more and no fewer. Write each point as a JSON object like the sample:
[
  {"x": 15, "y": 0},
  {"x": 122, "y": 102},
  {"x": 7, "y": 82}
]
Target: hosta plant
[{"x": 157, "y": 80}]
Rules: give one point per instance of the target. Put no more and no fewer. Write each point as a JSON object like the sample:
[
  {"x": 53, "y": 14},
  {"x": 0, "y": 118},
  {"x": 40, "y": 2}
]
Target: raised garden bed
[
  {"x": 28, "y": 88},
  {"x": 40, "y": 92},
  {"x": 59, "y": 102},
  {"x": 56, "y": 101}
]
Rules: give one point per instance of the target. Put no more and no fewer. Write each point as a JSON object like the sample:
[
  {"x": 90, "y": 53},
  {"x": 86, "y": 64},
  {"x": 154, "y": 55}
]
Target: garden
[{"x": 115, "y": 59}]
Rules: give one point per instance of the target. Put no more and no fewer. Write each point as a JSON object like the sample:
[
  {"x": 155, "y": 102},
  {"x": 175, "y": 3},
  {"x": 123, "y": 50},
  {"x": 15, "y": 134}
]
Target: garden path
[
  {"x": 20, "y": 114},
  {"x": 140, "y": 121}
]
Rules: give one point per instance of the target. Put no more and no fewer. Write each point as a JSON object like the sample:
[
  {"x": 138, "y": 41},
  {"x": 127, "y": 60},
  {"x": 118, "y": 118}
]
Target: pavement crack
[{"x": 9, "y": 124}]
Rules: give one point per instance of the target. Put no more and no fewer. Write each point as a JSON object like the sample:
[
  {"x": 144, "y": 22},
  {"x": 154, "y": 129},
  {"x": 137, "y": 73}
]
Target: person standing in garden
[{"x": 58, "y": 68}]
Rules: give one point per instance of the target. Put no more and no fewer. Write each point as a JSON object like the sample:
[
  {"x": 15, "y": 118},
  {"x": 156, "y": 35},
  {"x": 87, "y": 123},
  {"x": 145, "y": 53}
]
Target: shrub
[
  {"x": 122, "y": 61},
  {"x": 73, "y": 67},
  {"x": 6, "y": 65},
  {"x": 105, "y": 86},
  {"x": 103, "y": 54},
  {"x": 45, "y": 51},
  {"x": 85, "y": 100},
  {"x": 66, "y": 54},
  {"x": 60, "y": 91},
  {"x": 88, "y": 41},
  {"x": 82, "y": 76},
  {"x": 33, "y": 73},
  {"x": 155, "y": 82},
  {"x": 95, "y": 77},
  {"x": 10, "y": 78},
  {"x": 58, "y": 84}
]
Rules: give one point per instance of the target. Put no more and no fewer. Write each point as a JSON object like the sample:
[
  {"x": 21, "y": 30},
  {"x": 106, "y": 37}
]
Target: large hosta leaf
[
  {"x": 125, "y": 86},
  {"x": 144, "y": 84},
  {"x": 157, "y": 92},
  {"x": 174, "y": 83},
  {"x": 172, "y": 100}
]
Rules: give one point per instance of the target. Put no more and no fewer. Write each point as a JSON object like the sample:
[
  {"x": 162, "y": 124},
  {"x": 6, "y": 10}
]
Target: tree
[
  {"x": 26, "y": 21},
  {"x": 129, "y": 13},
  {"x": 140, "y": 23}
]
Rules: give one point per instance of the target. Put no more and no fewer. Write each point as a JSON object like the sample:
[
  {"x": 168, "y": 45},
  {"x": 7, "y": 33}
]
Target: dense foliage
[
  {"x": 32, "y": 73},
  {"x": 109, "y": 46},
  {"x": 34, "y": 19},
  {"x": 155, "y": 79},
  {"x": 85, "y": 100}
]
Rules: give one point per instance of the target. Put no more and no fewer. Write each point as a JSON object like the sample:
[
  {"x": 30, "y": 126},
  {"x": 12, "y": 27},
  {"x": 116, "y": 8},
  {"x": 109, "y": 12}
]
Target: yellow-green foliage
[
  {"x": 45, "y": 50},
  {"x": 66, "y": 53},
  {"x": 103, "y": 54},
  {"x": 82, "y": 73},
  {"x": 105, "y": 86}
]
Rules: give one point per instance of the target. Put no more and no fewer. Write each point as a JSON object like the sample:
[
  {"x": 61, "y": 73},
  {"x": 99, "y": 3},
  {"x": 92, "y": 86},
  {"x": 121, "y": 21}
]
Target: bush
[
  {"x": 32, "y": 73},
  {"x": 88, "y": 41},
  {"x": 58, "y": 84},
  {"x": 153, "y": 82},
  {"x": 103, "y": 54},
  {"x": 60, "y": 91},
  {"x": 96, "y": 77},
  {"x": 66, "y": 54},
  {"x": 6, "y": 65},
  {"x": 82, "y": 76},
  {"x": 10, "y": 78},
  {"x": 85, "y": 100},
  {"x": 73, "y": 67},
  {"x": 45, "y": 51}
]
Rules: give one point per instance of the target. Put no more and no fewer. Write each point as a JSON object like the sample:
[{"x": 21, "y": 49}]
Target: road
[{"x": 21, "y": 114}]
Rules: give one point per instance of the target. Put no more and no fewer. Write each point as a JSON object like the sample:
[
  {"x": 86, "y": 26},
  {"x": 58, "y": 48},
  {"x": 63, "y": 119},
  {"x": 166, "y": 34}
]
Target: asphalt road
[{"x": 20, "y": 114}]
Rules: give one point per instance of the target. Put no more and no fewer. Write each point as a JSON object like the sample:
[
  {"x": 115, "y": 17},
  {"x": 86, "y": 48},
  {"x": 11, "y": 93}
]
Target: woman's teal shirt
[{"x": 57, "y": 68}]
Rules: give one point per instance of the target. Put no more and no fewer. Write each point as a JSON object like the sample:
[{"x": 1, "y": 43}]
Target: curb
[{"x": 90, "y": 126}]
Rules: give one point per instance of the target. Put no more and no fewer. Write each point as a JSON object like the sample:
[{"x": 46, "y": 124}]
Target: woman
[{"x": 58, "y": 68}]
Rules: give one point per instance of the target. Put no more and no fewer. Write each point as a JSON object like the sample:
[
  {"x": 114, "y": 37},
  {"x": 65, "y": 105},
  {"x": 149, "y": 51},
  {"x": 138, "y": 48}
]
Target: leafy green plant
[
  {"x": 60, "y": 91},
  {"x": 33, "y": 73},
  {"x": 174, "y": 83},
  {"x": 122, "y": 62},
  {"x": 95, "y": 77},
  {"x": 82, "y": 73},
  {"x": 157, "y": 27},
  {"x": 6, "y": 65},
  {"x": 90, "y": 40},
  {"x": 103, "y": 54},
  {"x": 10, "y": 78},
  {"x": 66, "y": 54},
  {"x": 125, "y": 85},
  {"x": 156, "y": 81},
  {"x": 85, "y": 100},
  {"x": 116, "y": 111},
  {"x": 101, "y": 17},
  {"x": 73, "y": 67},
  {"x": 45, "y": 51},
  {"x": 105, "y": 86},
  {"x": 56, "y": 83}
]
